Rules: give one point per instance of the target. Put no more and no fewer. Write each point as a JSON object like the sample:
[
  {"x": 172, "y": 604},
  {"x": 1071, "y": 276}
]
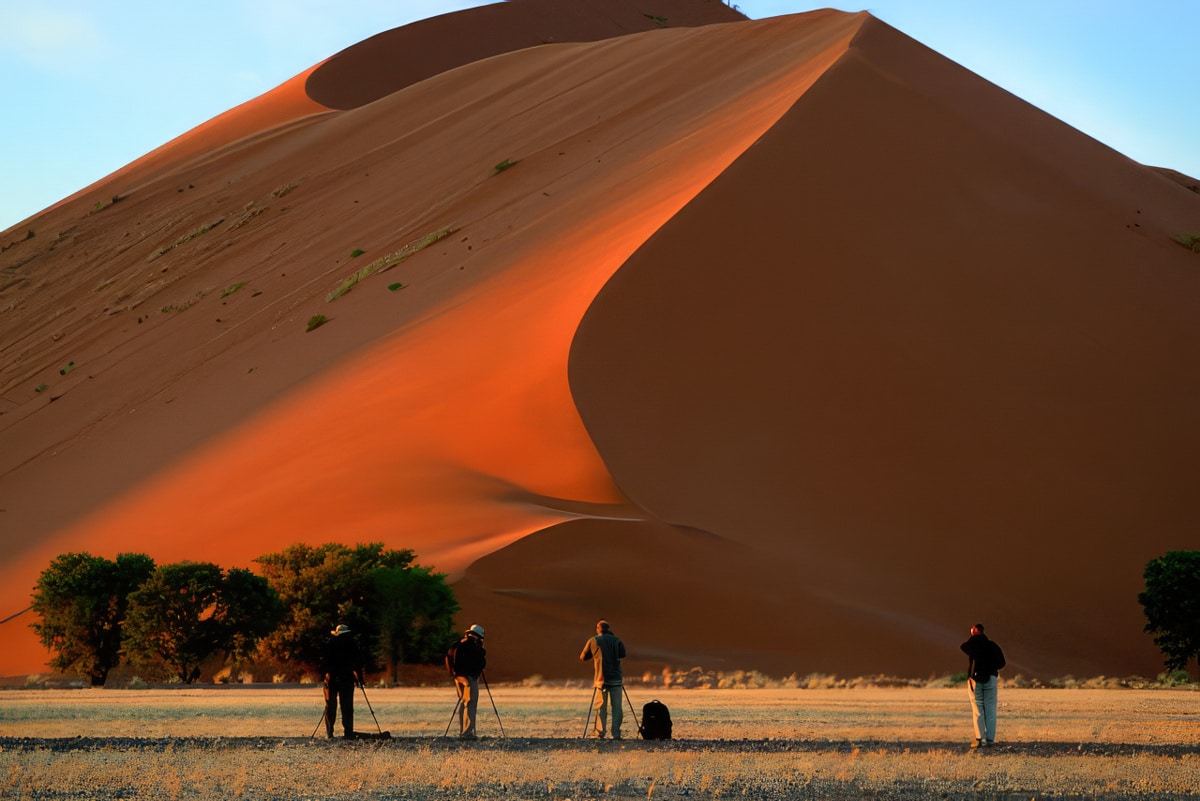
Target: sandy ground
[{"x": 893, "y": 743}]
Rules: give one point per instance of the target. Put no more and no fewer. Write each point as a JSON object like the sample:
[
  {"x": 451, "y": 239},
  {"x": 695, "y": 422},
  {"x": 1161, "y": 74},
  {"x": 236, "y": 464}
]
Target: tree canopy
[
  {"x": 186, "y": 612},
  {"x": 1171, "y": 602},
  {"x": 166, "y": 621},
  {"x": 413, "y": 609},
  {"x": 81, "y": 601},
  {"x": 397, "y": 609}
]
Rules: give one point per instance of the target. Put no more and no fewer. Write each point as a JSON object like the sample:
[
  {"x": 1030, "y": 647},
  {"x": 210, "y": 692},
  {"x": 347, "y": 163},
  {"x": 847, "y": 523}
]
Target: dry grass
[{"x": 859, "y": 743}]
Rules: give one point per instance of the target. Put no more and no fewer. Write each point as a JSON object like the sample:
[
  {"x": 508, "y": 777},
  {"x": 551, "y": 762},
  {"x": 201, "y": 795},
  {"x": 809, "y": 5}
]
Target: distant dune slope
[{"x": 404, "y": 56}]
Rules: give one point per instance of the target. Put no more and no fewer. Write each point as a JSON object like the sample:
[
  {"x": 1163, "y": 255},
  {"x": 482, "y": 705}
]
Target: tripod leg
[
  {"x": 591, "y": 704},
  {"x": 363, "y": 687},
  {"x": 631, "y": 709},
  {"x": 452, "y": 714},
  {"x": 319, "y": 722},
  {"x": 493, "y": 700}
]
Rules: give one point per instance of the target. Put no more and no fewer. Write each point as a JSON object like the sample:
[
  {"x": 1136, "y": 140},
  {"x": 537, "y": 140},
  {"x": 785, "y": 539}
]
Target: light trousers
[
  {"x": 604, "y": 697},
  {"x": 468, "y": 695},
  {"x": 983, "y": 702}
]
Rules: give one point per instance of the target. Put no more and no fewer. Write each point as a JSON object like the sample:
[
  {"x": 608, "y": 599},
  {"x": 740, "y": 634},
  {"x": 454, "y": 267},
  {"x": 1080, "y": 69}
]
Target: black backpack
[
  {"x": 996, "y": 655},
  {"x": 656, "y": 721},
  {"x": 990, "y": 661}
]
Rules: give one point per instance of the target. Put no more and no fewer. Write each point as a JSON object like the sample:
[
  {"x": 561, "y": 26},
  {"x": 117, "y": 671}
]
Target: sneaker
[
  {"x": 976, "y": 743},
  {"x": 989, "y": 743}
]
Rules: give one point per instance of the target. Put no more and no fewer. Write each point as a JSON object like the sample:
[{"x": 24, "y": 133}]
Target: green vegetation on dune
[{"x": 388, "y": 261}]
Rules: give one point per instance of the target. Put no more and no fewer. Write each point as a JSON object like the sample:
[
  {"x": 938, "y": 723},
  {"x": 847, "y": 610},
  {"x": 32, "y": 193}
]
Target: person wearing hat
[
  {"x": 466, "y": 660},
  {"x": 341, "y": 670},
  {"x": 606, "y": 652}
]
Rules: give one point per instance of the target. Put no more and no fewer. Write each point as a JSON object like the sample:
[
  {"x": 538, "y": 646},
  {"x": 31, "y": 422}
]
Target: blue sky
[{"x": 89, "y": 86}]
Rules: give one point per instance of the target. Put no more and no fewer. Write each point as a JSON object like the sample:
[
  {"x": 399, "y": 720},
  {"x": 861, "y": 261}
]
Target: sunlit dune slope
[{"x": 162, "y": 393}]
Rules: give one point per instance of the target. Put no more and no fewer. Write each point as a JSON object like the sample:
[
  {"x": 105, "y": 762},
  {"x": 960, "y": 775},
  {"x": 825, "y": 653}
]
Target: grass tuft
[
  {"x": 316, "y": 321},
  {"x": 504, "y": 165},
  {"x": 230, "y": 290},
  {"x": 388, "y": 261},
  {"x": 1189, "y": 241},
  {"x": 204, "y": 229}
]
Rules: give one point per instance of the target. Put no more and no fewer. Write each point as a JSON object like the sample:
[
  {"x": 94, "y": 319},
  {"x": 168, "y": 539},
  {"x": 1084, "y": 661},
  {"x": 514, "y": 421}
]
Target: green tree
[
  {"x": 186, "y": 612},
  {"x": 81, "y": 601},
  {"x": 1171, "y": 602},
  {"x": 249, "y": 610},
  {"x": 333, "y": 583},
  {"x": 413, "y": 611},
  {"x": 170, "y": 627},
  {"x": 321, "y": 587}
]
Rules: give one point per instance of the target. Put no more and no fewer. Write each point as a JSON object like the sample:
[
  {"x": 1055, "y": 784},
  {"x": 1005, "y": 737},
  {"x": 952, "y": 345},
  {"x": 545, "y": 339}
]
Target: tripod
[
  {"x": 592, "y": 705},
  {"x": 325, "y": 712},
  {"x": 459, "y": 704}
]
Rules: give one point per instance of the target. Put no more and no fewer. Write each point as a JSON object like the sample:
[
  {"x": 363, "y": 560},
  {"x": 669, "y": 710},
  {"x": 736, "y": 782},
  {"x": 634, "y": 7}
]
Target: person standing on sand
[
  {"x": 606, "y": 652},
  {"x": 341, "y": 670},
  {"x": 986, "y": 660},
  {"x": 466, "y": 660}
]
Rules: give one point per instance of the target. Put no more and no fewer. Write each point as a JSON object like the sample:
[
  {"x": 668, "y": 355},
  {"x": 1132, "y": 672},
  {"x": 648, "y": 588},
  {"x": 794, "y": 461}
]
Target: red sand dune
[{"x": 786, "y": 345}]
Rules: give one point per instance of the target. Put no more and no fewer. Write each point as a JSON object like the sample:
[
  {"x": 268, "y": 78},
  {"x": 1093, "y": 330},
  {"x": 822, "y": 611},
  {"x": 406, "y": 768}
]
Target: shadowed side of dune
[
  {"x": 930, "y": 347},
  {"x": 676, "y": 596}
]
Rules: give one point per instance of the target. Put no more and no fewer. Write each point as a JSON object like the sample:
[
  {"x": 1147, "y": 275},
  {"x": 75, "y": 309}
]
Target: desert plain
[{"x": 824, "y": 743}]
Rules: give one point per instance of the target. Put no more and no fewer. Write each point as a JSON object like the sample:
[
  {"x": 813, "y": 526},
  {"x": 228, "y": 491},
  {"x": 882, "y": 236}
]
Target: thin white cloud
[{"x": 67, "y": 43}]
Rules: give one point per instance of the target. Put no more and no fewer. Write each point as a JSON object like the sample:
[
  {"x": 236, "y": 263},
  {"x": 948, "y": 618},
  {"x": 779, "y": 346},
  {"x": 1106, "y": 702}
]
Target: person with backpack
[
  {"x": 606, "y": 651},
  {"x": 985, "y": 660},
  {"x": 466, "y": 660},
  {"x": 341, "y": 671}
]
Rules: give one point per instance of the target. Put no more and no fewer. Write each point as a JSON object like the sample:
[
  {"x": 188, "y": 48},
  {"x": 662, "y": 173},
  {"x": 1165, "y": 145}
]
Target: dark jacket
[
  {"x": 606, "y": 652},
  {"x": 986, "y": 657},
  {"x": 467, "y": 657},
  {"x": 342, "y": 660}
]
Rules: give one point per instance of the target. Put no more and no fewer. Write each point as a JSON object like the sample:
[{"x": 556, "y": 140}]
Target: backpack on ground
[{"x": 656, "y": 721}]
